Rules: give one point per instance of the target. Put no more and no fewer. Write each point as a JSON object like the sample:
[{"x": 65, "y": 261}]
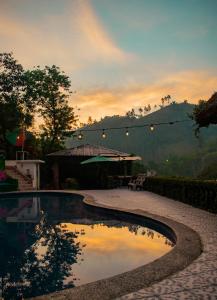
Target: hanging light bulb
[
  {"x": 80, "y": 136},
  {"x": 151, "y": 127},
  {"x": 127, "y": 132},
  {"x": 103, "y": 134}
]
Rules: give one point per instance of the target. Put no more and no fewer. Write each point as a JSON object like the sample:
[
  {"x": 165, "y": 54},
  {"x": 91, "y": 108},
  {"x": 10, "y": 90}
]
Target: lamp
[
  {"x": 151, "y": 127},
  {"x": 103, "y": 134},
  {"x": 80, "y": 136}
]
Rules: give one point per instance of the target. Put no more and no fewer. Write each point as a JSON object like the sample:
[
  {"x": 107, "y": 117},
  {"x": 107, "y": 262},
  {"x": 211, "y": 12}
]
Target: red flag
[{"x": 20, "y": 138}]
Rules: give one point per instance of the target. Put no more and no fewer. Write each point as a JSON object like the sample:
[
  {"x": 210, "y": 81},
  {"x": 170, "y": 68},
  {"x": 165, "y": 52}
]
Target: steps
[{"x": 24, "y": 183}]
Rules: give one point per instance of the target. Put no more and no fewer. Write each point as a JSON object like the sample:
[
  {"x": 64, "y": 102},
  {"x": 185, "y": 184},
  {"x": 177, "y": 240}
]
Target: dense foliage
[
  {"x": 16, "y": 110},
  {"x": 198, "y": 193},
  {"x": 209, "y": 171},
  {"x": 201, "y": 163},
  {"x": 205, "y": 113},
  {"x": 171, "y": 150},
  {"x": 50, "y": 89},
  {"x": 26, "y": 95},
  {"x": 9, "y": 185}
]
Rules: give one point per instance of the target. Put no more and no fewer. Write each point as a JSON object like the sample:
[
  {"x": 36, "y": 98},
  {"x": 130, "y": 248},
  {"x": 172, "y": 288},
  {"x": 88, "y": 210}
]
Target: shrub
[
  {"x": 3, "y": 176},
  {"x": 199, "y": 193},
  {"x": 9, "y": 185}
]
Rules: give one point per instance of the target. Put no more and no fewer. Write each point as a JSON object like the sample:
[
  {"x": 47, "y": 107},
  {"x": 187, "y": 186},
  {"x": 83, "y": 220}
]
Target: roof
[
  {"x": 88, "y": 150},
  {"x": 126, "y": 158},
  {"x": 30, "y": 161}
]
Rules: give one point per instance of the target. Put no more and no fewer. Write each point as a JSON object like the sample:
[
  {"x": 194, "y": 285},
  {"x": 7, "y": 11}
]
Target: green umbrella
[{"x": 97, "y": 159}]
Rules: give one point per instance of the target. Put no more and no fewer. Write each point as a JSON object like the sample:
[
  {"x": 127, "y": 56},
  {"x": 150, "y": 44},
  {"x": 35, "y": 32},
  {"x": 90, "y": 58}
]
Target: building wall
[{"x": 27, "y": 168}]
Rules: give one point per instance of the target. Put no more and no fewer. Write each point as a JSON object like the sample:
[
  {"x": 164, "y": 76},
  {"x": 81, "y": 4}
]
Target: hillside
[{"x": 157, "y": 145}]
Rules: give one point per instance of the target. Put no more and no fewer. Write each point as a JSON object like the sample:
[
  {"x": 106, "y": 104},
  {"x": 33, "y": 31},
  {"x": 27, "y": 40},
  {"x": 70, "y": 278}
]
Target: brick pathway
[{"x": 199, "y": 279}]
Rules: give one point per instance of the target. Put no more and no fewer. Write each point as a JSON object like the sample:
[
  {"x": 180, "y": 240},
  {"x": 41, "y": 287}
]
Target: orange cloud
[
  {"x": 190, "y": 85},
  {"x": 71, "y": 40}
]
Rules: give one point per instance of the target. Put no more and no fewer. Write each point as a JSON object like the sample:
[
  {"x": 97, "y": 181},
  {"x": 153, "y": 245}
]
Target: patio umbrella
[
  {"x": 97, "y": 159},
  {"x": 101, "y": 169}
]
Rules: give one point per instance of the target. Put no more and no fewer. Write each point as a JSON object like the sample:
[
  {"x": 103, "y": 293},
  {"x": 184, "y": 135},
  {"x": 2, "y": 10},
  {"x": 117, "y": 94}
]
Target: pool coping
[{"x": 188, "y": 247}]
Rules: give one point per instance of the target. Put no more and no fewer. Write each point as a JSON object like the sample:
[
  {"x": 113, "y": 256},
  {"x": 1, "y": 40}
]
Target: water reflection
[
  {"x": 50, "y": 243},
  {"x": 113, "y": 250},
  {"x": 24, "y": 231}
]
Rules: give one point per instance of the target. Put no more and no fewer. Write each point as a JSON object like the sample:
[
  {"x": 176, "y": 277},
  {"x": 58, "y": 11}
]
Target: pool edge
[{"x": 188, "y": 247}]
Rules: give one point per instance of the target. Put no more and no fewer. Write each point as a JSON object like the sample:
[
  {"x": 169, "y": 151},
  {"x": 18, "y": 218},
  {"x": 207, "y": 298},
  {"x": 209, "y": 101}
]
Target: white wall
[{"x": 27, "y": 167}]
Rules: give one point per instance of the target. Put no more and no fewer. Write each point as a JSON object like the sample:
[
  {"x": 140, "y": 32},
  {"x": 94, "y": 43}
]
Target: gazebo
[{"x": 68, "y": 164}]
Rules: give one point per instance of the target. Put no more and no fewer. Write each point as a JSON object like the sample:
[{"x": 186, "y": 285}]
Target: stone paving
[{"x": 199, "y": 279}]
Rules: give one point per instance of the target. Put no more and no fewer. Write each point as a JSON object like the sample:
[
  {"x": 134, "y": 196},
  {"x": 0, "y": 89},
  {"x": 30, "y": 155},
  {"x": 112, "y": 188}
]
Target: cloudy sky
[{"x": 119, "y": 54}]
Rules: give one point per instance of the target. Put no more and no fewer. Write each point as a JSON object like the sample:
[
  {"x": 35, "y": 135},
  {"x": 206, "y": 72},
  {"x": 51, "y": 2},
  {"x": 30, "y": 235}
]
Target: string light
[
  {"x": 80, "y": 136},
  {"x": 103, "y": 134},
  {"x": 152, "y": 127}
]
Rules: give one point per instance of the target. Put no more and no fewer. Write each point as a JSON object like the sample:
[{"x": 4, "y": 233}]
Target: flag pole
[{"x": 23, "y": 143}]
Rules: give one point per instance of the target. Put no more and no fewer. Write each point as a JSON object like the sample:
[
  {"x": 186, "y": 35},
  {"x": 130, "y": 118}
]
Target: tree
[
  {"x": 168, "y": 98},
  {"x": 164, "y": 100},
  {"x": 50, "y": 89},
  {"x": 90, "y": 121},
  {"x": 205, "y": 113},
  {"x": 147, "y": 109},
  {"x": 140, "y": 110},
  {"x": 131, "y": 113},
  {"x": 16, "y": 110}
]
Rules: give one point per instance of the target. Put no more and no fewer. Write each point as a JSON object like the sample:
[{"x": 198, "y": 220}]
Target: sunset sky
[{"x": 119, "y": 54}]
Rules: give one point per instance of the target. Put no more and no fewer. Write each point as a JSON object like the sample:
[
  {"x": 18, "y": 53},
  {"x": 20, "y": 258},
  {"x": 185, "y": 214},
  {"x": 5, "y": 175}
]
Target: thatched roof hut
[
  {"x": 88, "y": 150},
  {"x": 67, "y": 164}
]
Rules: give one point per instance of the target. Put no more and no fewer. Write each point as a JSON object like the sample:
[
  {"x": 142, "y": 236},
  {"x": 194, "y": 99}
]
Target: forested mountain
[{"x": 157, "y": 146}]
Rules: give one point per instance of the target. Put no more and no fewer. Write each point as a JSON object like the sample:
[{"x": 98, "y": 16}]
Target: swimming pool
[{"x": 53, "y": 241}]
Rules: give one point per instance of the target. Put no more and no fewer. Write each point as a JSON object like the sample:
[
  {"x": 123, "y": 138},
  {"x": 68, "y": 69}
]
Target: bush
[
  {"x": 199, "y": 193},
  {"x": 9, "y": 185}
]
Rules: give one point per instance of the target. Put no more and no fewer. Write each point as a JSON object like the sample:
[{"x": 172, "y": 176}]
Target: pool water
[{"x": 52, "y": 241}]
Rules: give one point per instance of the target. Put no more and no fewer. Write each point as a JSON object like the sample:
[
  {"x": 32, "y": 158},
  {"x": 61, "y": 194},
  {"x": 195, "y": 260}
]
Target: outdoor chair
[
  {"x": 131, "y": 182},
  {"x": 140, "y": 183},
  {"x": 137, "y": 183}
]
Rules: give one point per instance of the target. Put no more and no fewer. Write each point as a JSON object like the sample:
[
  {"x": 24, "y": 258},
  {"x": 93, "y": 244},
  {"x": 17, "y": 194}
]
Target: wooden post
[{"x": 55, "y": 169}]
